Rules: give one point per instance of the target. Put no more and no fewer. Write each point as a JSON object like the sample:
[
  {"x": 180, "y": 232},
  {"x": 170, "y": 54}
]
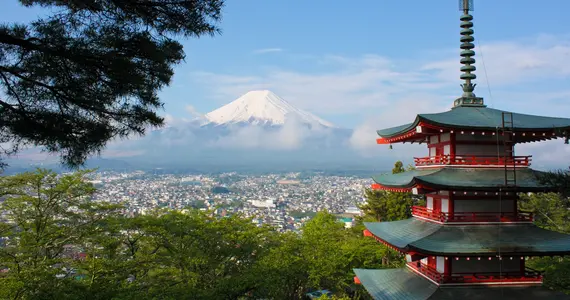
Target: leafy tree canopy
[
  {"x": 398, "y": 168},
  {"x": 91, "y": 71},
  {"x": 552, "y": 212},
  {"x": 57, "y": 243},
  {"x": 560, "y": 180},
  {"x": 388, "y": 206}
]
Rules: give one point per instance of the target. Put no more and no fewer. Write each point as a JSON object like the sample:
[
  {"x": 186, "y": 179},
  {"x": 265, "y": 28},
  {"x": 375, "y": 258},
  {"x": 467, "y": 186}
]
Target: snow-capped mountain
[{"x": 262, "y": 108}]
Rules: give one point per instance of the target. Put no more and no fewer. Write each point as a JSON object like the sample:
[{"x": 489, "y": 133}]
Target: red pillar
[{"x": 452, "y": 147}]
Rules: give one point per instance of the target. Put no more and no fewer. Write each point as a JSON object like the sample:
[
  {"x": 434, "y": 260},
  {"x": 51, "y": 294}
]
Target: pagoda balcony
[
  {"x": 472, "y": 217},
  {"x": 529, "y": 276},
  {"x": 472, "y": 160}
]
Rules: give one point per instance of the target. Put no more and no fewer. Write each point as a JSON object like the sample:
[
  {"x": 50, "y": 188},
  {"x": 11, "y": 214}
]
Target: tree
[
  {"x": 91, "y": 71},
  {"x": 44, "y": 214},
  {"x": 559, "y": 180},
  {"x": 552, "y": 212},
  {"x": 398, "y": 168},
  {"x": 388, "y": 206},
  {"x": 59, "y": 244}
]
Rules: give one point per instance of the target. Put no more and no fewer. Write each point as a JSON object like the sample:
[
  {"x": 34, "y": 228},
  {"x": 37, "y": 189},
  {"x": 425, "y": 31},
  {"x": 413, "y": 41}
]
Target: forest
[{"x": 58, "y": 244}]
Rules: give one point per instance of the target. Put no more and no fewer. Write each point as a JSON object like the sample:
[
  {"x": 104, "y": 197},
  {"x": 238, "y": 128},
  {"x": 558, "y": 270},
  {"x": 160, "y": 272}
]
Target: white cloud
[
  {"x": 368, "y": 82},
  {"x": 267, "y": 50},
  {"x": 389, "y": 92},
  {"x": 547, "y": 155},
  {"x": 386, "y": 92},
  {"x": 192, "y": 111},
  {"x": 288, "y": 137},
  {"x": 509, "y": 63}
]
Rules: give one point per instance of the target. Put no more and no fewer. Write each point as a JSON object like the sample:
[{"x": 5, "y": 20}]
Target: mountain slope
[{"x": 262, "y": 108}]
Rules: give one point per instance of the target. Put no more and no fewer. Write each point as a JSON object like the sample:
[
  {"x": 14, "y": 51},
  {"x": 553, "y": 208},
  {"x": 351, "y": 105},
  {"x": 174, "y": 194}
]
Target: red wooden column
[{"x": 452, "y": 147}]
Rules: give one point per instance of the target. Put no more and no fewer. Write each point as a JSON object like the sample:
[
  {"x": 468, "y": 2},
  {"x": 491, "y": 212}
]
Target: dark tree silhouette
[
  {"x": 558, "y": 179},
  {"x": 91, "y": 71}
]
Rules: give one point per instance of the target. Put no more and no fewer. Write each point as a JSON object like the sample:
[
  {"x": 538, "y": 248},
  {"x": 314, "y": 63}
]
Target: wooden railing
[
  {"x": 445, "y": 217},
  {"x": 472, "y": 160},
  {"x": 529, "y": 275},
  {"x": 429, "y": 272}
]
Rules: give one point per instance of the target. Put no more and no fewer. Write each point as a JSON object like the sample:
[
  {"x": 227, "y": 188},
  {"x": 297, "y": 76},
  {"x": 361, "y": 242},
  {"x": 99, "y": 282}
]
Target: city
[{"x": 284, "y": 201}]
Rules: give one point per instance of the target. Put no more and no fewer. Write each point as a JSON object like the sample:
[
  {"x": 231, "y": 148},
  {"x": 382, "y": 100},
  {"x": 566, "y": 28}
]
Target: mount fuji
[
  {"x": 257, "y": 130},
  {"x": 262, "y": 108}
]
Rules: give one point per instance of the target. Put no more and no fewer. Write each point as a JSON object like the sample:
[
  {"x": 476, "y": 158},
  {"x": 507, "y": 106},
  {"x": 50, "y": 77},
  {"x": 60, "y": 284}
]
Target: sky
[
  {"x": 352, "y": 62},
  {"x": 371, "y": 64}
]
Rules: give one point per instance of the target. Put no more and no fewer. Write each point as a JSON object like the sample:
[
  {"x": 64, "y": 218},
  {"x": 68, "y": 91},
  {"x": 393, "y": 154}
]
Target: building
[{"x": 469, "y": 241}]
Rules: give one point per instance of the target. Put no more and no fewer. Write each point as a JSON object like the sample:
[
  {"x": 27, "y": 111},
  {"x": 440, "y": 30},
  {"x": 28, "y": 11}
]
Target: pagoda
[{"x": 469, "y": 241}]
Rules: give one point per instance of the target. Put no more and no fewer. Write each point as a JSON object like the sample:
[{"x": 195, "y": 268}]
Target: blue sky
[
  {"x": 371, "y": 64},
  {"x": 369, "y": 61}
]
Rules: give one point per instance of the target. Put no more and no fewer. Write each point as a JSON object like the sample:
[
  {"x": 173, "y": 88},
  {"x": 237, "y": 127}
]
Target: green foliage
[
  {"x": 556, "y": 272},
  {"x": 45, "y": 214},
  {"x": 559, "y": 180},
  {"x": 92, "y": 70},
  {"x": 552, "y": 212},
  {"x": 166, "y": 254},
  {"x": 323, "y": 257},
  {"x": 388, "y": 206},
  {"x": 398, "y": 168}
]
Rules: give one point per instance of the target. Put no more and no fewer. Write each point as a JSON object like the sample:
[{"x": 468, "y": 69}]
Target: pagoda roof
[
  {"x": 425, "y": 237},
  {"x": 481, "y": 118},
  {"x": 460, "y": 178},
  {"x": 404, "y": 284}
]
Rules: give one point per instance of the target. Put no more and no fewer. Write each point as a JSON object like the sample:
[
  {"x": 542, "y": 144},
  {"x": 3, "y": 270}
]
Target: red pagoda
[{"x": 469, "y": 241}]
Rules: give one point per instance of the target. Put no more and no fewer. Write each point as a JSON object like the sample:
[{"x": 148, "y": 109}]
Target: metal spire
[{"x": 468, "y": 98}]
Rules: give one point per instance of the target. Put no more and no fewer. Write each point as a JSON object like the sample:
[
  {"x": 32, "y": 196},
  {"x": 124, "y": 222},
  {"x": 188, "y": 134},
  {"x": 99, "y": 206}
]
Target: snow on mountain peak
[{"x": 262, "y": 108}]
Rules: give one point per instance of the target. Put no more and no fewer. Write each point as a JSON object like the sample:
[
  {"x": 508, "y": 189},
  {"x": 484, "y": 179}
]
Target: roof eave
[
  {"x": 411, "y": 247},
  {"x": 428, "y": 185},
  {"x": 401, "y": 131}
]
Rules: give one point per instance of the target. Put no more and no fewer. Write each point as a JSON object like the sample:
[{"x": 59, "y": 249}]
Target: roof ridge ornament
[{"x": 468, "y": 98}]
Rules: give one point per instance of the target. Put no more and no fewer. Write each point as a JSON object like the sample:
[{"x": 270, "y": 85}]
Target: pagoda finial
[{"x": 468, "y": 98}]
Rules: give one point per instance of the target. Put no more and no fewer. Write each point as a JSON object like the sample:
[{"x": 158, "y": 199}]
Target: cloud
[
  {"x": 192, "y": 111},
  {"x": 514, "y": 62},
  {"x": 347, "y": 89},
  {"x": 343, "y": 85},
  {"x": 553, "y": 154},
  {"x": 267, "y": 50},
  {"x": 385, "y": 92},
  {"x": 388, "y": 92},
  {"x": 290, "y": 136}
]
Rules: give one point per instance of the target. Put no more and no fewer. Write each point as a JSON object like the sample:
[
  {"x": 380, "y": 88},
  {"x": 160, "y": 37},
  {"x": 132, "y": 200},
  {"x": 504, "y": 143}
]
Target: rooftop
[
  {"x": 481, "y": 118},
  {"x": 460, "y": 179},
  {"x": 461, "y": 240},
  {"x": 404, "y": 284}
]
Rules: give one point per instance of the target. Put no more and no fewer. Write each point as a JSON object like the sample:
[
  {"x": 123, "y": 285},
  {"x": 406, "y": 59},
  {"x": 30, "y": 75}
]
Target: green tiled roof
[
  {"x": 403, "y": 284},
  {"x": 392, "y": 131},
  {"x": 395, "y": 284},
  {"x": 402, "y": 233},
  {"x": 458, "y": 240},
  {"x": 461, "y": 178},
  {"x": 482, "y": 118},
  {"x": 405, "y": 179}
]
